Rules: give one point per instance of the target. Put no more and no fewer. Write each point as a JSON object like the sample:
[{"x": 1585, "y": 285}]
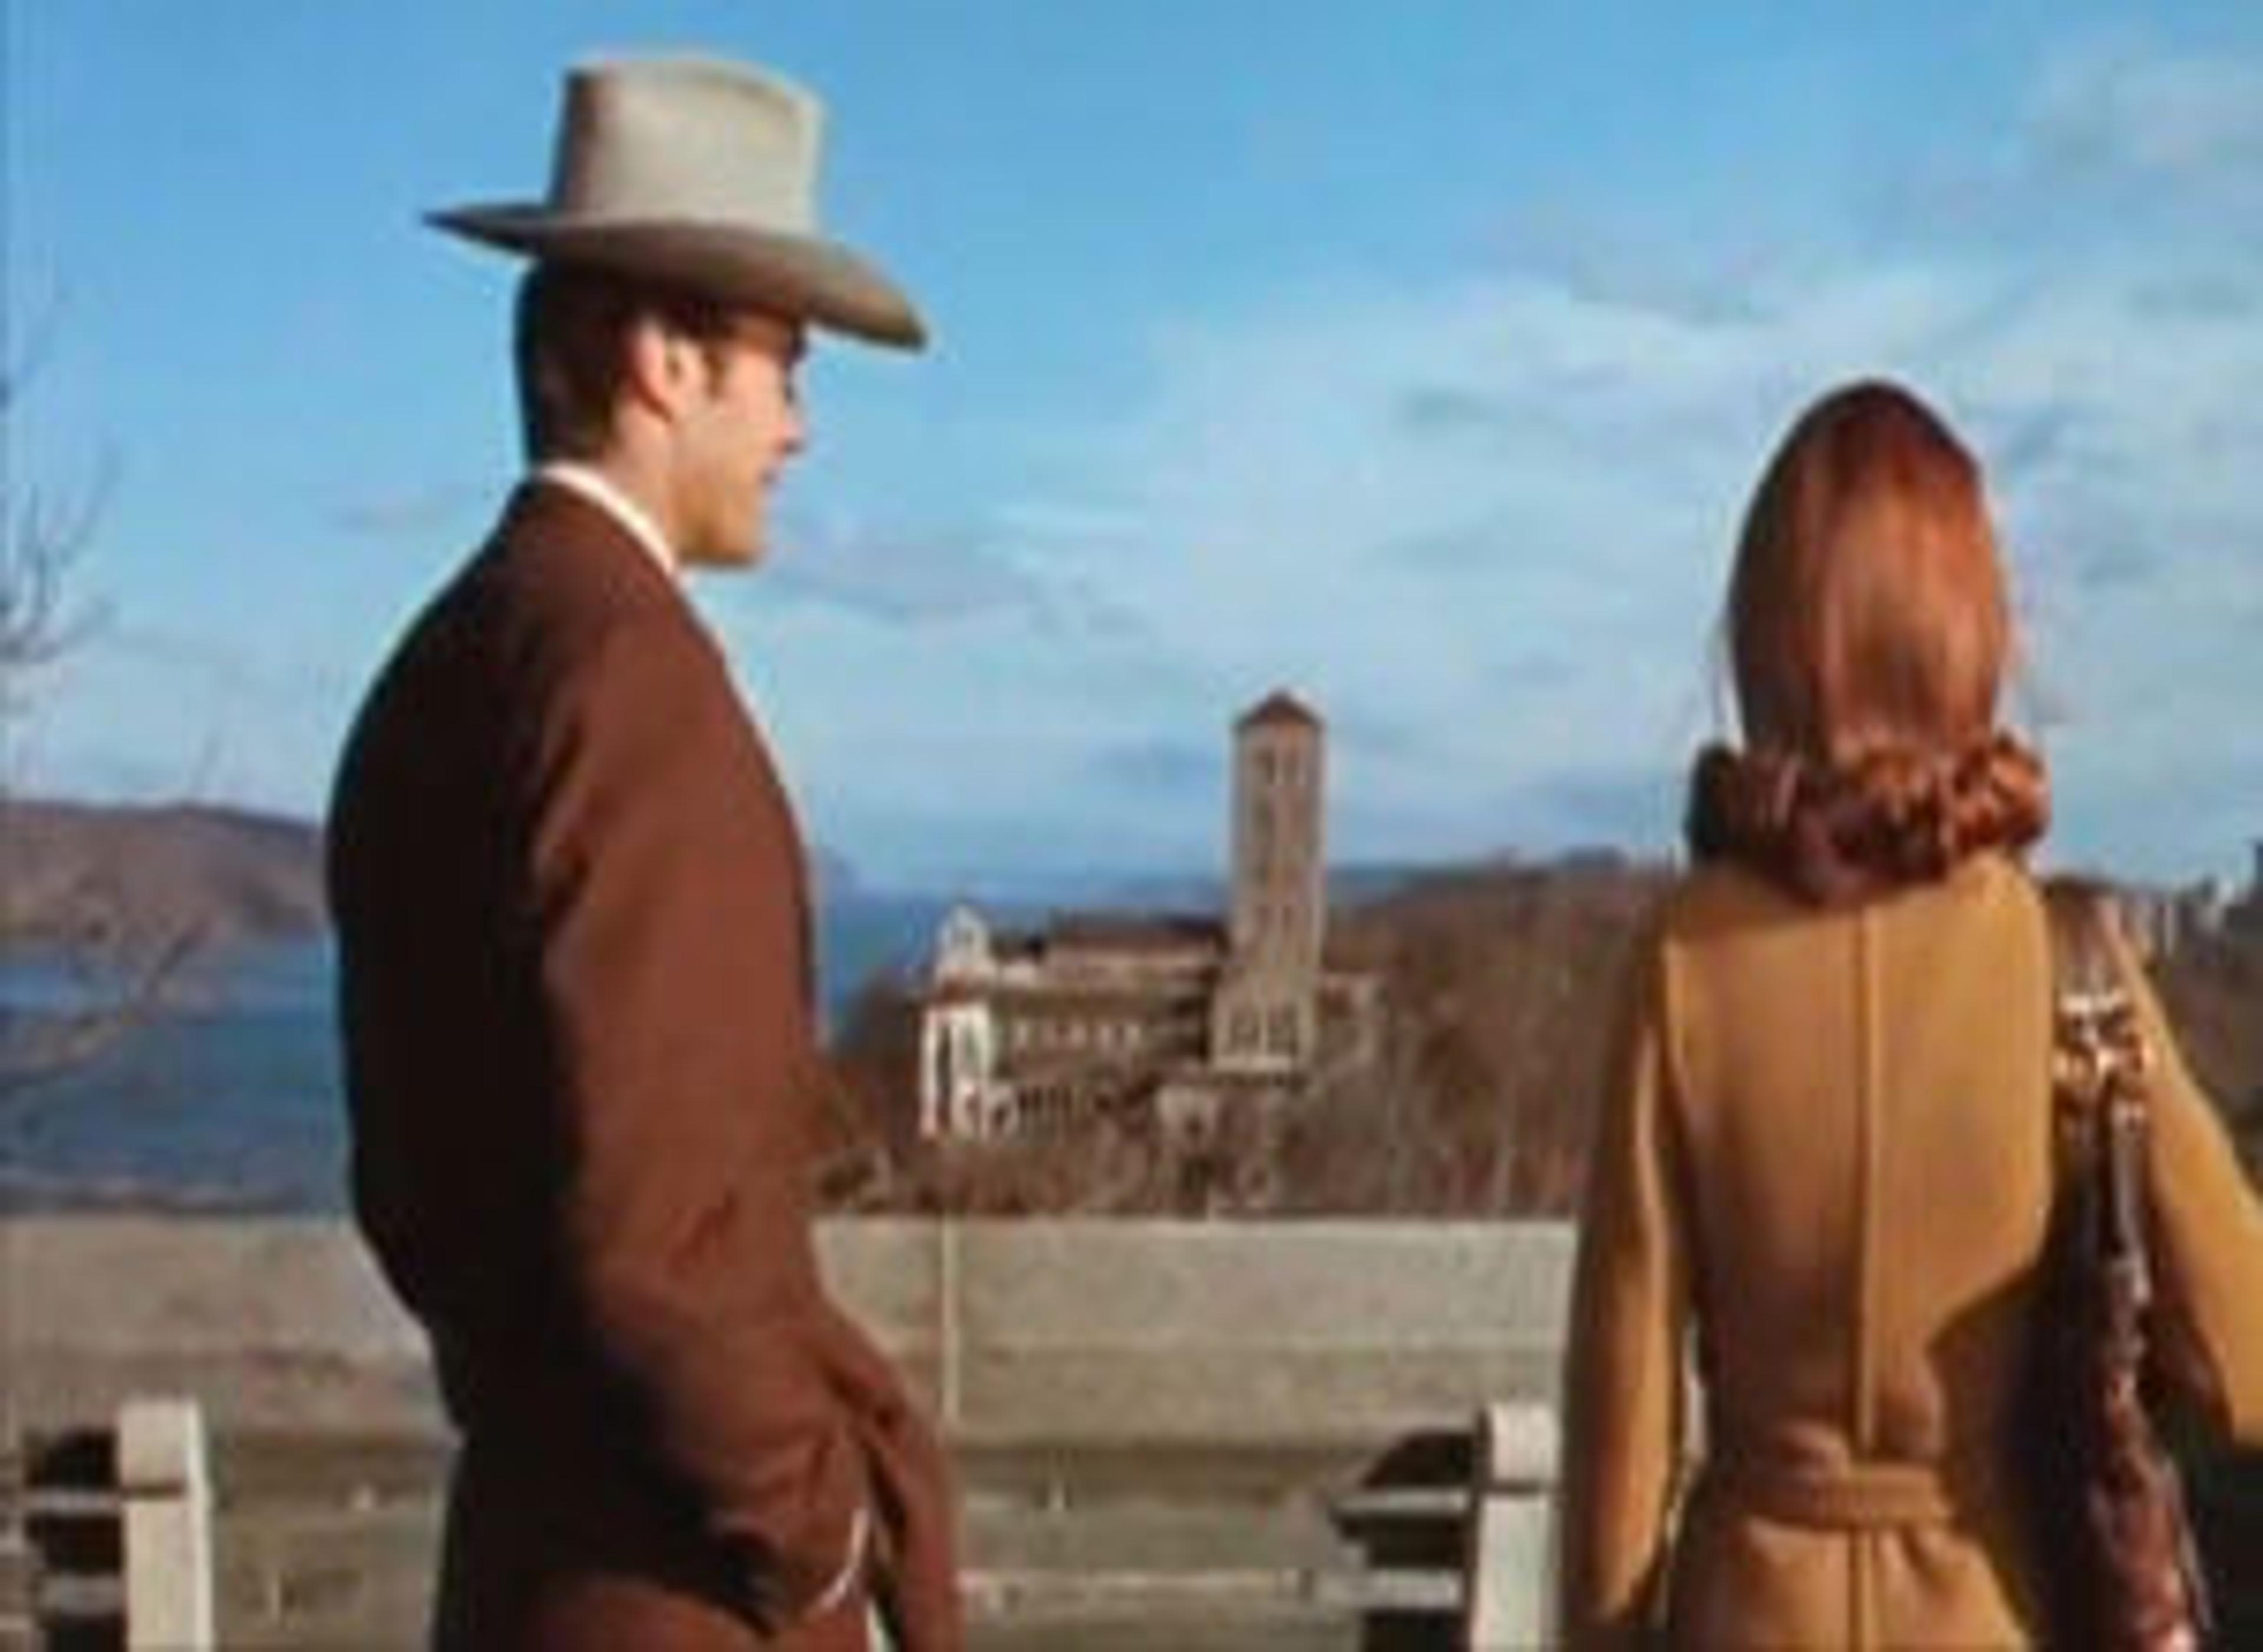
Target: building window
[
  {"x": 1244, "y": 1033},
  {"x": 1280, "y": 1031}
]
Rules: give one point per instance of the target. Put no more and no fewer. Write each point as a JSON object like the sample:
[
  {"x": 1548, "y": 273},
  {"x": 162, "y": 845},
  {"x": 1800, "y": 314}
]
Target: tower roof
[{"x": 1279, "y": 706}]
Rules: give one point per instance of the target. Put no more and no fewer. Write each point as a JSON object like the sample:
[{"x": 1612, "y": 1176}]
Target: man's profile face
[{"x": 736, "y": 435}]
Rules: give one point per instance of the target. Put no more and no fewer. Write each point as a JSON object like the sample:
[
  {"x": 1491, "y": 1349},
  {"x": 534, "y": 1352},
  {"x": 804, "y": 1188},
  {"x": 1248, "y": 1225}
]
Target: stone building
[
  {"x": 2246, "y": 913},
  {"x": 1265, "y": 1015},
  {"x": 1173, "y": 1016},
  {"x": 2160, "y": 922}
]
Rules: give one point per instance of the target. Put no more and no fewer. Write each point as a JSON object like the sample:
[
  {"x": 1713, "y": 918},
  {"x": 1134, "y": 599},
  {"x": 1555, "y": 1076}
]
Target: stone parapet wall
[{"x": 1096, "y": 1331}]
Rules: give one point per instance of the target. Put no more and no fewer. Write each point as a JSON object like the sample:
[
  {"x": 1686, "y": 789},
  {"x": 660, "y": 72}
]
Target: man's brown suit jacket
[{"x": 576, "y": 995}]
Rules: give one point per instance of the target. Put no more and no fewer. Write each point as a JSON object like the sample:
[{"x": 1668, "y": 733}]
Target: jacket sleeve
[
  {"x": 664, "y": 907},
  {"x": 2207, "y": 1233},
  {"x": 916, "y": 1581},
  {"x": 1623, "y": 1378}
]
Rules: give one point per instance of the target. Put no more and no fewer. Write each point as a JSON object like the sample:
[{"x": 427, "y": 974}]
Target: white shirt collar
[{"x": 600, "y": 490}]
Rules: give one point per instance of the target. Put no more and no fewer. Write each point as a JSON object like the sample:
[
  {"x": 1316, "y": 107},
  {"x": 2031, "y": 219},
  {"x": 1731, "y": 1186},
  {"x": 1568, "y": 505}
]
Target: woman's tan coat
[{"x": 1825, "y": 1167}]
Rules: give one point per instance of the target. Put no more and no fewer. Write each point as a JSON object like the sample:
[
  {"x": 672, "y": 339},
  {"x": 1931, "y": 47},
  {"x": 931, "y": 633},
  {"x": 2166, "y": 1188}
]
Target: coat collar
[{"x": 599, "y": 489}]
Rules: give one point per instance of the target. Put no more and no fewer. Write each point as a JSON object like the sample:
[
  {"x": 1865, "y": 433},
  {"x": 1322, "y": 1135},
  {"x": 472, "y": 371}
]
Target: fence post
[
  {"x": 950, "y": 1397},
  {"x": 1506, "y": 1587},
  {"x": 19, "y": 1562},
  {"x": 165, "y": 1489}
]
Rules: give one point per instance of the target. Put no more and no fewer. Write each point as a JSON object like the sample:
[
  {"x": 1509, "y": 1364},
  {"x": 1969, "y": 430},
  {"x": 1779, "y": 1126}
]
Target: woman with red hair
[{"x": 1824, "y": 1163}]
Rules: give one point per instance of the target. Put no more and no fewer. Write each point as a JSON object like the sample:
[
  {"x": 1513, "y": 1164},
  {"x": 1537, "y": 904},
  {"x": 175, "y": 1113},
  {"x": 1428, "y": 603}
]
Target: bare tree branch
[{"x": 112, "y": 966}]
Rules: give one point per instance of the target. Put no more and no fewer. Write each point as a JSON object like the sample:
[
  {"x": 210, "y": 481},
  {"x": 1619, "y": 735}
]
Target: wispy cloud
[
  {"x": 2120, "y": 150},
  {"x": 238, "y": 670},
  {"x": 1500, "y": 510},
  {"x": 252, "y": 722},
  {"x": 1483, "y": 519},
  {"x": 1623, "y": 806},
  {"x": 901, "y": 577},
  {"x": 904, "y": 576},
  {"x": 1431, "y": 410},
  {"x": 416, "y": 511},
  {"x": 2129, "y": 108},
  {"x": 1150, "y": 769}
]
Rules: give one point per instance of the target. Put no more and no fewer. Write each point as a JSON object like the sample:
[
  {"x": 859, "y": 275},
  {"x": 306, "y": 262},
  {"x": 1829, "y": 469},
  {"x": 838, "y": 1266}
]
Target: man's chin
[{"x": 750, "y": 553}]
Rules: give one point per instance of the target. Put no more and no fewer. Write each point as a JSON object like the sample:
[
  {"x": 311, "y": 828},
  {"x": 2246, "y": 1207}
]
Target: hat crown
[
  {"x": 702, "y": 175},
  {"x": 688, "y": 141}
]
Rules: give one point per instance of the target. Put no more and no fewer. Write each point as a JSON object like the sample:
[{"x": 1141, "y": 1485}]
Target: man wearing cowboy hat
[{"x": 575, "y": 953}]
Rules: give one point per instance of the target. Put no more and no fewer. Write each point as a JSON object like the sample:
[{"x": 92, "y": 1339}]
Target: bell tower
[{"x": 1266, "y": 1015}]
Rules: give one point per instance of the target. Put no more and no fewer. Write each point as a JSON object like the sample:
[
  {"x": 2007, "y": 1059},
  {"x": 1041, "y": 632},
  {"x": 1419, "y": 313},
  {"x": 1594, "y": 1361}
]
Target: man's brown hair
[{"x": 571, "y": 348}]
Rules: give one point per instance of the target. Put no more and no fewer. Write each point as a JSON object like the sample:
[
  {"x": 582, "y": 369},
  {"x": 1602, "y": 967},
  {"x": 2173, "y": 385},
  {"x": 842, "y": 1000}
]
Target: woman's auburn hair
[
  {"x": 1867, "y": 610},
  {"x": 1867, "y": 631}
]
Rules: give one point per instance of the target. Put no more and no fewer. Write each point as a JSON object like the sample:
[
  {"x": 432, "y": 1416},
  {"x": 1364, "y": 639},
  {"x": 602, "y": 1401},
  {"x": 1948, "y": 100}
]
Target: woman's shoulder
[{"x": 1722, "y": 898}]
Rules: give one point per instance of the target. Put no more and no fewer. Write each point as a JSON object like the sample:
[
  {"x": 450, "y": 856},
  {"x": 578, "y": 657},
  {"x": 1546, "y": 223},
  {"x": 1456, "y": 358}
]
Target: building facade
[
  {"x": 1264, "y": 1016},
  {"x": 1167, "y": 1017}
]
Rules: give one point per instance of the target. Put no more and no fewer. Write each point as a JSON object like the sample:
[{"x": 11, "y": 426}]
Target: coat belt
[{"x": 1850, "y": 1496}]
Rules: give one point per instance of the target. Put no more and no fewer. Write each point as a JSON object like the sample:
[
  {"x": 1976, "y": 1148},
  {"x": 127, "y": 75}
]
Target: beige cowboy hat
[{"x": 701, "y": 174}]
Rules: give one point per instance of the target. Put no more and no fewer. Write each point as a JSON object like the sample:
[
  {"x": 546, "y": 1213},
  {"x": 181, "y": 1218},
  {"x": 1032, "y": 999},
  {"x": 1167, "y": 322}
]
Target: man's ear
[{"x": 656, "y": 367}]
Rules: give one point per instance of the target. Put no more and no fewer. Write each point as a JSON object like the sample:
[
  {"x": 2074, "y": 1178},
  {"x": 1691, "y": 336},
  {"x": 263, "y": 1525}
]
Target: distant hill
[{"x": 177, "y": 869}]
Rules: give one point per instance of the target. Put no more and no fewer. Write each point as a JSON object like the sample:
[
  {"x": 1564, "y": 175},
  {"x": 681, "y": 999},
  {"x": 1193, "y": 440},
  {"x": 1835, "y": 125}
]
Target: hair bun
[{"x": 1893, "y": 816}]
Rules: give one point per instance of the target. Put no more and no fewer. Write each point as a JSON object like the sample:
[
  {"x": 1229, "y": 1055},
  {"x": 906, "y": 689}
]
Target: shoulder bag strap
[{"x": 2099, "y": 1066}]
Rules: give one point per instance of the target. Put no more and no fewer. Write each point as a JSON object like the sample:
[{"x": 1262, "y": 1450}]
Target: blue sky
[{"x": 1419, "y": 357}]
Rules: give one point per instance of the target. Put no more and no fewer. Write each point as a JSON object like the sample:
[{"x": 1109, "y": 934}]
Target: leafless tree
[
  {"x": 111, "y": 965},
  {"x": 2212, "y": 988}
]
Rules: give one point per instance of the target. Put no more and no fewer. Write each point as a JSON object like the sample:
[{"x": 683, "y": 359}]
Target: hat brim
[{"x": 802, "y": 277}]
